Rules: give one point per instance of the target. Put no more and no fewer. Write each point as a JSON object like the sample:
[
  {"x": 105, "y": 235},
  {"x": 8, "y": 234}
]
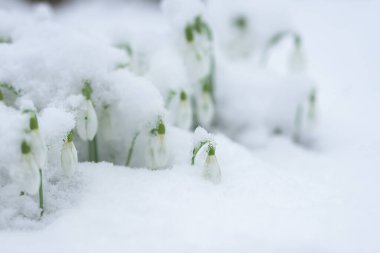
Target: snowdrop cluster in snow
[{"x": 96, "y": 84}]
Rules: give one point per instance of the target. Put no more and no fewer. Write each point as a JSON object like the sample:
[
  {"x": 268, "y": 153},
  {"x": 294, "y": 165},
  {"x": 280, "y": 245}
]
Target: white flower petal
[
  {"x": 205, "y": 109},
  {"x": 69, "y": 158},
  {"x": 87, "y": 121},
  {"x": 211, "y": 169},
  {"x": 31, "y": 176}
]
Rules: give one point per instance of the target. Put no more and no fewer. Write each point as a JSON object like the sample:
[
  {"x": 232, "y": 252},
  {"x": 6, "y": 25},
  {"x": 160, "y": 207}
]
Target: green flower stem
[
  {"x": 93, "y": 150},
  {"x": 41, "y": 195},
  {"x": 131, "y": 148}
]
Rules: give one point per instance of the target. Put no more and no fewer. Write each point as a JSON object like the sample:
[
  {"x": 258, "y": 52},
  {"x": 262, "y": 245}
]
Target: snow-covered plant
[
  {"x": 69, "y": 156},
  {"x": 205, "y": 145},
  {"x": 296, "y": 59},
  {"x": 156, "y": 149}
]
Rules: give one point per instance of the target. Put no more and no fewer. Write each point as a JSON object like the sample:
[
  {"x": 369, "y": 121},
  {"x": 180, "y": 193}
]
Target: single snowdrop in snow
[
  {"x": 69, "y": 156},
  {"x": 87, "y": 121},
  {"x": 184, "y": 115},
  {"x": 296, "y": 60},
  {"x": 31, "y": 177},
  {"x": 156, "y": 150},
  {"x": 211, "y": 169},
  {"x": 205, "y": 108},
  {"x": 38, "y": 145},
  {"x": 204, "y": 150}
]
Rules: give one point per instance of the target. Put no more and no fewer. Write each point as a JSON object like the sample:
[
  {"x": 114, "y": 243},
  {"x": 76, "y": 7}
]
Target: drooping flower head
[
  {"x": 69, "y": 156},
  {"x": 87, "y": 121},
  {"x": 31, "y": 178},
  {"x": 156, "y": 150}
]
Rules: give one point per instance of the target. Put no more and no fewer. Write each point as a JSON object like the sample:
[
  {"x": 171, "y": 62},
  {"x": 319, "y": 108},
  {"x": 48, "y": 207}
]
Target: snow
[{"x": 275, "y": 195}]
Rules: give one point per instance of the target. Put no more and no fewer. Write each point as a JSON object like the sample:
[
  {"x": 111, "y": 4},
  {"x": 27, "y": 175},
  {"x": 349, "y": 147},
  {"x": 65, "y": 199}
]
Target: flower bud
[
  {"x": 296, "y": 61},
  {"x": 87, "y": 121},
  {"x": 211, "y": 169},
  {"x": 31, "y": 177},
  {"x": 69, "y": 156},
  {"x": 156, "y": 153},
  {"x": 39, "y": 149},
  {"x": 184, "y": 117},
  {"x": 205, "y": 109}
]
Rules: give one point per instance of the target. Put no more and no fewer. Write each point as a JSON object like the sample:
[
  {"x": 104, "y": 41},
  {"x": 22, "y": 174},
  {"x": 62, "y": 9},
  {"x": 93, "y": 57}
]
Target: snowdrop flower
[
  {"x": 198, "y": 56},
  {"x": 156, "y": 153},
  {"x": 39, "y": 148},
  {"x": 69, "y": 156},
  {"x": 211, "y": 169},
  {"x": 87, "y": 121},
  {"x": 31, "y": 176},
  {"x": 312, "y": 115},
  {"x": 184, "y": 117},
  {"x": 240, "y": 43},
  {"x": 205, "y": 107},
  {"x": 306, "y": 120},
  {"x": 296, "y": 60},
  {"x": 298, "y": 123}
]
